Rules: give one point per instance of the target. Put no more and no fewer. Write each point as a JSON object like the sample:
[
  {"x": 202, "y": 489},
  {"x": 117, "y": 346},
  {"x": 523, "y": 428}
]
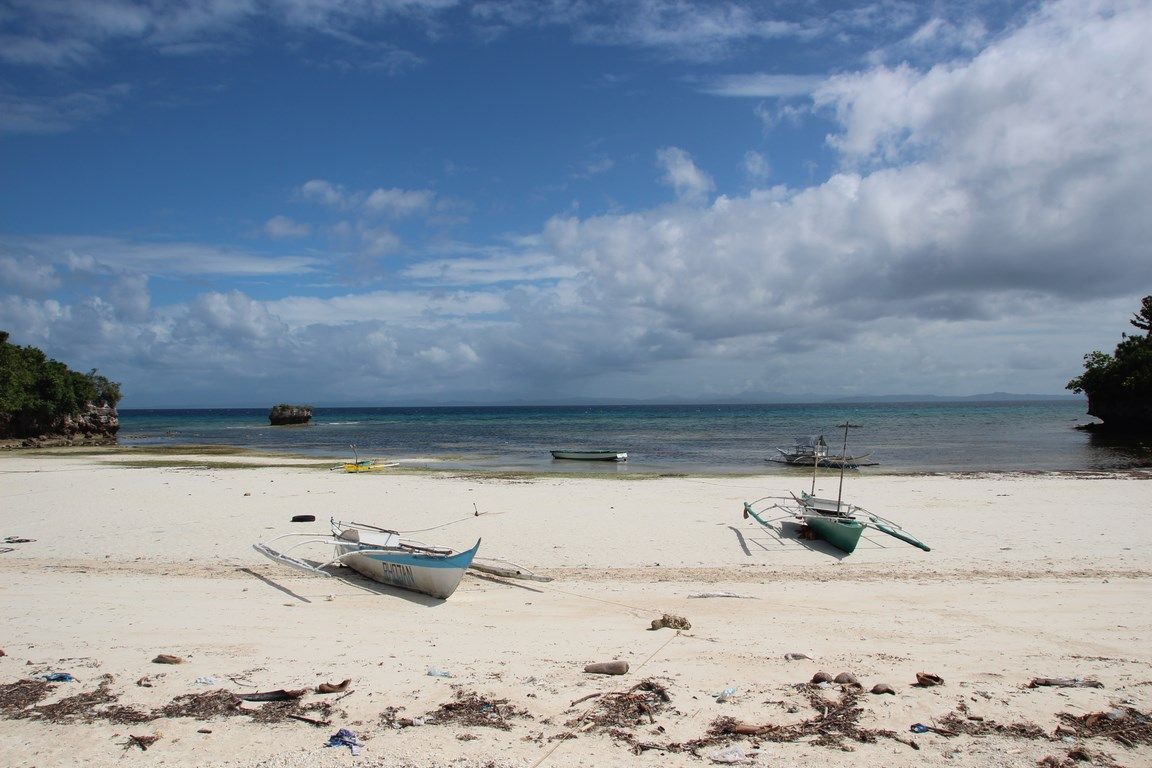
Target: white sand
[{"x": 1029, "y": 576}]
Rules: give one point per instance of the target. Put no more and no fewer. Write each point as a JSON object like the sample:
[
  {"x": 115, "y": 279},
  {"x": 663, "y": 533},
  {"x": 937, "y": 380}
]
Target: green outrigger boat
[{"x": 836, "y": 521}]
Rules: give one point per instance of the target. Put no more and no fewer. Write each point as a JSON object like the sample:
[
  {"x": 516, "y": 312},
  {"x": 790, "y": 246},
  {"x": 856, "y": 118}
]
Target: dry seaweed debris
[
  {"x": 20, "y": 700},
  {"x": 836, "y": 723},
  {"x": 222, "y": 703},
  {"x": 1078, "y": 756},
  {"x": 472, "y": 709},
  {"x": 90, "y": 706},
  {"x": 316, "y": 712},
  {"x": 17, "y": 697},
  {"x": 955, "y": 722},
  {"x": 389, "y": 719},
  {"x": 618, "y": 710},
  {"x": 202, "y": 706},
  {"x": 1123, "y": 724}
]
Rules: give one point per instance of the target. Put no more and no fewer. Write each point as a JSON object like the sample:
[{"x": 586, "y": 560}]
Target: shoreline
[
  {"x": 247, "y": 458},
  {"x": 1031, "y": 576}
]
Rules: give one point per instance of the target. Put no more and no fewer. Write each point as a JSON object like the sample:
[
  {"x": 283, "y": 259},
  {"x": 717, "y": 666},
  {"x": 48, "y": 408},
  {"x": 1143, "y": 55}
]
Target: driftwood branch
[{"x": 1065, "y": 682}]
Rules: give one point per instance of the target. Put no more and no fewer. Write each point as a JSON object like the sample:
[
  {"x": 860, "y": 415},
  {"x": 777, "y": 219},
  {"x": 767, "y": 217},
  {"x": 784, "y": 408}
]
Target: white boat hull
[
  {"x": 382, "y": 556},
  {"x": 435, "y": 575}
]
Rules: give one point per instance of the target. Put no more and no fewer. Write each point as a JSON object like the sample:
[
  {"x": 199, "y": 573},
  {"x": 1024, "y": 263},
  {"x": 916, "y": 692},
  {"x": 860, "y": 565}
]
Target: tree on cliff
[
  {"x": 35, "y": 389},
  {"x": 1123, "y": 378},
  {"x": 1143, "y": 318}
]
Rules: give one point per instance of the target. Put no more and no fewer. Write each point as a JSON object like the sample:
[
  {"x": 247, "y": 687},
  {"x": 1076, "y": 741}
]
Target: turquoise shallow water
[{"x": 902, "y": 437}]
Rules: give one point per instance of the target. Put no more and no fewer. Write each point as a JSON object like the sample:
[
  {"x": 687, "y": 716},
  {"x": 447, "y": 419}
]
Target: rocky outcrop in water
[
  {"x": 94, "y": 425},
  {"x": 289, "y": 414},
  {"x": 1123, "y": 415}
]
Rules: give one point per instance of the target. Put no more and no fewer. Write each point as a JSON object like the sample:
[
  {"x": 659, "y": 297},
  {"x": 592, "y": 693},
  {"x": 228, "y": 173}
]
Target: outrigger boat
[
  {"x": 363, "y": 465},
  {"x": 381, "y": 555},
  {"x": 384, "y": 556},
  {"x": 597, "y": 455},
  {"x": 366, "y": 465},
  {"x": 836, "y": 521},
  {"x": 810, "y": 449}
]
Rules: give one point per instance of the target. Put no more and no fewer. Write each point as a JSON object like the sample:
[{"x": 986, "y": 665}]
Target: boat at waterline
[
  {"x": 367, "y": 465},
  {"x": 381, "y": 555},
  {"x": 363, "y": 465},
  {"x": 597, "y": 455},
  {"x": 836, "y": 521},
  {"x": 809, "y": 450}
]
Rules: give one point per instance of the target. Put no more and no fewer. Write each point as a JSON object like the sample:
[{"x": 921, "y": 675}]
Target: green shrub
[
  {"x": 32, "y": 385},
  {"x": 1127, "y": 372}
]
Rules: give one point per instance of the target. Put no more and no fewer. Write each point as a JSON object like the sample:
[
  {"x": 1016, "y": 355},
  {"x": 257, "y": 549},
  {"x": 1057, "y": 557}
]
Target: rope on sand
[{"x": 592, "y": 706}]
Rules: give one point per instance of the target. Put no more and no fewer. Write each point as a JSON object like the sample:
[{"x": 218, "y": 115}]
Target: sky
[{"x": 224, "y": 203}]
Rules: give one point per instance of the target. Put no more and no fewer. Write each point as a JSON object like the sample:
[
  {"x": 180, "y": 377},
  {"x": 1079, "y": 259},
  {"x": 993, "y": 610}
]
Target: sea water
[{"x": 900, "y": 437}]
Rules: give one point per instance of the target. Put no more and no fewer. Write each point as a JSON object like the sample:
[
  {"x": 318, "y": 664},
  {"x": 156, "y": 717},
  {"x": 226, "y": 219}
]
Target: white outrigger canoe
[
  {"x": 381, "y": 555},
  {"x": 384, "y": 556}
]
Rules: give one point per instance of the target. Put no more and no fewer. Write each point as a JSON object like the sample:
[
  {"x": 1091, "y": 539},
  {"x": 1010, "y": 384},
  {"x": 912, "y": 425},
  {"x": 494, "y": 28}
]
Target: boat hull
[
  {"x": 361, "y": 466},
  {"x": 841, "y": 532},
  {"x": 591, "y": 455},
  {"x": 835, "y": 462},
  {"x": 428, "y": 573}
]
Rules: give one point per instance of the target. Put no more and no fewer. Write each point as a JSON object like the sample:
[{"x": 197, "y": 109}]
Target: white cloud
[
  {"x": 130, "y": 298},
  {"x": 68, "y": 32},
  {"x": 495, "y": 268},
  {"x": 595, "y": 167},
  {"x": 1020, "y": 101},
  {"x": 457, "y": 357},
  {"x": 684, "y": 30},
  {"x": 56, "y": 114},
  {"x": 689, "y": 182},
  {"x": 236, "y": 317},
  {"x": 109, "y": 255},
  {"x": 321, "y": 191},
  {"x": 378, "y": 241},
  {"x": 756, "y": 165},
  {"x": 764, "y": 85},
  {"x": 284, "y": 228},
  {"x": 27, "y": 275},
  {"x": 51, "y": 53},
  {"x": 397, "y": 308},
  {"x": 399, "y": 203}
]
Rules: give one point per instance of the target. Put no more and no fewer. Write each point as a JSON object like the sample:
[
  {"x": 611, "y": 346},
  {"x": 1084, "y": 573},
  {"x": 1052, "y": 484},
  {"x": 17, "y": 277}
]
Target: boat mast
[
  {"x": 843, "y": 461},
  {"x": 815, "y": 463}
]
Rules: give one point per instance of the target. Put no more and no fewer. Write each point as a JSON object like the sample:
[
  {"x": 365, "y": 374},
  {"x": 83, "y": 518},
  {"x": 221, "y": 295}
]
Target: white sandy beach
[{"x": 1029, "y": 576}]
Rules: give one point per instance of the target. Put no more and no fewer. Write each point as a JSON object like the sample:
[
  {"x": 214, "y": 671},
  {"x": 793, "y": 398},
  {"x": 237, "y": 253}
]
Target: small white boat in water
[{"x": 598, "y": 455}]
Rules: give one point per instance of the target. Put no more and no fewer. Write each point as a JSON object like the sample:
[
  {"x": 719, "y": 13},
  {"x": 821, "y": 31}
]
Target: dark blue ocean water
[{"x": 902, "y": 437}]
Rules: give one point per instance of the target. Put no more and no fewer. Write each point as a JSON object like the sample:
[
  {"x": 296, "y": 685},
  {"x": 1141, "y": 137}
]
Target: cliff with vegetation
[
  {"x": 1119, "y": 386},
  {"x": 43, "y": 402}
]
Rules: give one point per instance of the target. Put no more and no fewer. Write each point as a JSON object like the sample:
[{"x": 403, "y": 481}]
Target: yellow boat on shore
[
  {"x": 368, "y": 465},
  {"x": 364, "y": 465}
]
